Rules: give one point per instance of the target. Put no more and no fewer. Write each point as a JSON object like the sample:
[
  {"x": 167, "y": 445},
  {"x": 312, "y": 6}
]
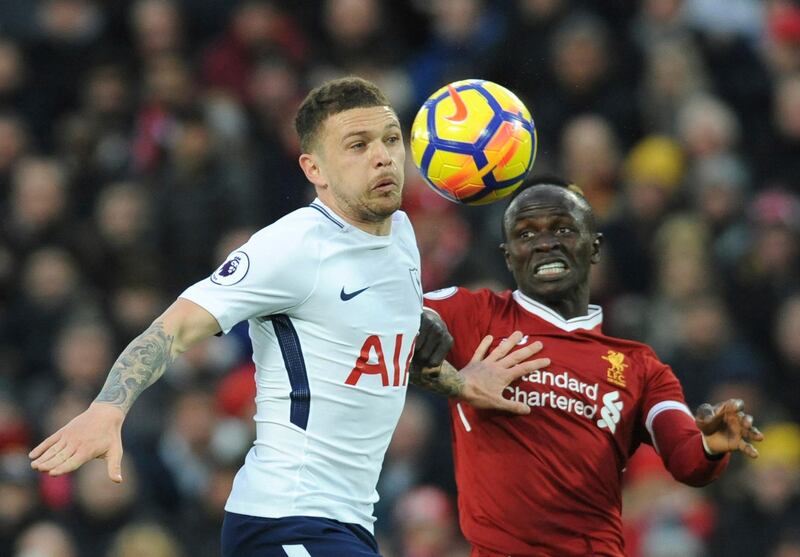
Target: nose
[
  {"x": 382, "y": 157},
  {"x": 546, "y": 242}
]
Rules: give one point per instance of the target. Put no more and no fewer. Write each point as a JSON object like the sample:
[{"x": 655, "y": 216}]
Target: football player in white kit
[{"x": 333, "y": 297}]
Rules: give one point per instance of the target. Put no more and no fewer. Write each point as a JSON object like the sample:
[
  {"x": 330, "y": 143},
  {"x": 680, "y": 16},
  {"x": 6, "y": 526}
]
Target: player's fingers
[
  {"x": 523, "y": 353},
  {"x": 114, "y": 464},
  {"x": 505, "y": 346},
  {"x": 480, "y": 351},
  {"x": 44, "y": 445},
  {"x": 748, "y": 449},
  {"x": 441, "y": 349},
  {"x": 524, "y": 368},
  {"x": 53, "y": 456},
  {"x": 709, "y": 418},
  {"x": 60, "y": 464},
  {"x": 755, "y": 434},
  {"x": 511, "y": 406}
]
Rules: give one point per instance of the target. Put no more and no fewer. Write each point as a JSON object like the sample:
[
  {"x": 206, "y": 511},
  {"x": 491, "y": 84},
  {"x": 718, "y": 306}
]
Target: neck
[
  {"x": 381, "y": 227},
  {"x": 574, "y": 304}
]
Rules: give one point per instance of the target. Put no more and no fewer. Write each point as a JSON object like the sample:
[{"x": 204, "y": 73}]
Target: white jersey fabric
[{"x": 333, "y": 314}]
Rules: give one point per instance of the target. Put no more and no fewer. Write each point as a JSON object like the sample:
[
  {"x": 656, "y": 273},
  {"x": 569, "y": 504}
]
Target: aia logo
[{"x": 372, "y": 361}]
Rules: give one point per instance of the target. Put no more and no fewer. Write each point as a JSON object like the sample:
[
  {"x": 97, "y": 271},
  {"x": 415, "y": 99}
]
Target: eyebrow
[{"x": 386, "y": 128}]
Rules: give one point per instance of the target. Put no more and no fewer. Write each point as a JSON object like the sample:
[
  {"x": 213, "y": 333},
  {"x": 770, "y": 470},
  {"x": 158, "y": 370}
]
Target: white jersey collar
[{"x": 589, "y": 321}]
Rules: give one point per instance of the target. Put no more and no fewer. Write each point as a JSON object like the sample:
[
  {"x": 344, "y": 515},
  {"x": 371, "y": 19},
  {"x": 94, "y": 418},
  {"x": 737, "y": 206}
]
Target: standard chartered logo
[
  {"x": 610, "y": 413},
  {"x": 569, "y": 394}
]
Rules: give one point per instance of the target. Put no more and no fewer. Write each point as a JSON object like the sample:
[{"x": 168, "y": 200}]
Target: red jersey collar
[{"x": 593, "y": 319}]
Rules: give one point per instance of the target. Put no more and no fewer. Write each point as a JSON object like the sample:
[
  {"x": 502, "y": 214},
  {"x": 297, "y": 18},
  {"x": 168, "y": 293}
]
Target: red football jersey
[{"x": 548, "y": 483}]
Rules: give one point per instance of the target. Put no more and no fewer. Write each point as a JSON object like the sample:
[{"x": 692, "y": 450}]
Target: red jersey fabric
[{"x": 548, "y": 483}]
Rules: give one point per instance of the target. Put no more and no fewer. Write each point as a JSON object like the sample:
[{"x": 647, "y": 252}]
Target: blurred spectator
[
  {"x": 768, "y": 271},
  {"x": 37, "y": 213},
  {"x": 768, "y": 502},
  {"x": 710, "y": 354},
  {"x": 257, "y": 28},
  {"x": 662, "y": 518},
  {"x": 718, "y": 187},
  {"x": 585, "y": 80},
  {"x": 786, "y": 335},
  {"x": 13, "y": 145},
  {"x": 358, "y": 39},
  {"x": 45, "y": 539},
  {"x": 674, "y": 72},
  {"x": 19, "y": 504},
  {"x": 653, "y": 171},
  {"x": 427, "y": 525},
  {"x": 158, "y": 28},
  {"x": 185, "y": 446},
  {"x": 779, "y": 158},
  {"x": 102, "y": 508},
  {"x": 707, "y": 127},
  {"x": 144, "y": 540},
  {"x": 50, "y": 295},
  {"x": 590, "y": 157},
  {"x": 463, "y": 31}
]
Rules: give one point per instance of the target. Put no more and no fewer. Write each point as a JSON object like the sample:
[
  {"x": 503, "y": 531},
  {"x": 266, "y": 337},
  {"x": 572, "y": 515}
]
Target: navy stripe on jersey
[
  {"x": 296, "y": 367},
  {"x": 327, "y": 215}
]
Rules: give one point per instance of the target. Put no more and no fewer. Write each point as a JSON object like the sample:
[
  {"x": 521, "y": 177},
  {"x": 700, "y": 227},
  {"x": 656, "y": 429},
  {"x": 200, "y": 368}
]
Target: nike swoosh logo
[
  {"x": 461, "y": 108},
  {"x": 349, "y": 296}
]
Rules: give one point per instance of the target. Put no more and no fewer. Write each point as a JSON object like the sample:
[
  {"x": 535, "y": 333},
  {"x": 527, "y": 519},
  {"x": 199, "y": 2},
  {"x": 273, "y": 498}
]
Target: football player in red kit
[{"x": 546, "y": 482}]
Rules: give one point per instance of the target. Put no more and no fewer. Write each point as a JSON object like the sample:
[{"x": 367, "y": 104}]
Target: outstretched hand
[
  {"x": 486, "y": 377},
  {"x": 95, "y": 433},
  {"x": 726, "y": 428}
]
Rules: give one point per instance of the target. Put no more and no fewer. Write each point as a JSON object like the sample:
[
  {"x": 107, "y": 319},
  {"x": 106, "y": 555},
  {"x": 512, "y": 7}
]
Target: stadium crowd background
[{"x": 140, "y": 141}]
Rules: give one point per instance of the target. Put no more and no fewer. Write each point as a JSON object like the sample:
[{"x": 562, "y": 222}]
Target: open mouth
[{"x": 550, "y": 269}]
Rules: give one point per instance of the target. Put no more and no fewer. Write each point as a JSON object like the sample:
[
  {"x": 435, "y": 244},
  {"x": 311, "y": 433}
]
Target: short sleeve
[
  {"x": 465, "y": 313},
  {"x": 274, "y": 271}
]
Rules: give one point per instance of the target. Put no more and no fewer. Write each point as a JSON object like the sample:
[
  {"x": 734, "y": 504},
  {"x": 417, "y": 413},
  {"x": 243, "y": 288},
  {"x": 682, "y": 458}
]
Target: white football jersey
[{"x": 334, "y": 313}]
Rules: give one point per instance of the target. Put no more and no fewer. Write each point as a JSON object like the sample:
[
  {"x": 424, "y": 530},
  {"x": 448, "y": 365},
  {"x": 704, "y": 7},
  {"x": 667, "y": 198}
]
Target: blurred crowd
[{"x": 143, "y": 140}]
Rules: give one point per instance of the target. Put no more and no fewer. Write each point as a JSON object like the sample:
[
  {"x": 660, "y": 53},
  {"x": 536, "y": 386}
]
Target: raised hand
[
  {"x": 486, "y": 377},
  {"x": 726, "y": 428},
  {"x": 95, "y": 433}
]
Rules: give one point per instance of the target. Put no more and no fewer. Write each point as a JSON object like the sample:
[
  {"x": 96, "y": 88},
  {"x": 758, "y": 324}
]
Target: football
[{"x": 473, "y": 141}]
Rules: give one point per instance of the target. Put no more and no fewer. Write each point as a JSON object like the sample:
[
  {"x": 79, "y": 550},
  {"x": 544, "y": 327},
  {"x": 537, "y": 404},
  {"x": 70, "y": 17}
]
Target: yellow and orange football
[{"x": 473, "y": 141}]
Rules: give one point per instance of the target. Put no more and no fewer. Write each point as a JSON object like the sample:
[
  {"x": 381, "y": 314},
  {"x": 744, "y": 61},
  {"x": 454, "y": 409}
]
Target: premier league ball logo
[{"x": 233, "y": 270}]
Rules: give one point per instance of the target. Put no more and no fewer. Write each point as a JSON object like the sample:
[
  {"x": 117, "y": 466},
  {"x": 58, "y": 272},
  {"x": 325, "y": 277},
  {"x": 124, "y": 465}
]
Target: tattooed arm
[
  {"x": 96, "y": 433},
  {"x": 444, "y": 380},
  {"x": 149, "y": 355}
]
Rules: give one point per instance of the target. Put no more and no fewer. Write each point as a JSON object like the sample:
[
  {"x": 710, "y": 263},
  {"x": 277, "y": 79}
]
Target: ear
[
  {"x": 311, "y": 168},
  {"x": 504, "y": 248},
  {"x": 596, "y": 243}
]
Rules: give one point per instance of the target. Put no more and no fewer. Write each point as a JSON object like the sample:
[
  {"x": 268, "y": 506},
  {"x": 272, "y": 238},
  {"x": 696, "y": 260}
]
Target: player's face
[
  {"x": 361, "y": 156},
  {"x": 550, "y": 247}
]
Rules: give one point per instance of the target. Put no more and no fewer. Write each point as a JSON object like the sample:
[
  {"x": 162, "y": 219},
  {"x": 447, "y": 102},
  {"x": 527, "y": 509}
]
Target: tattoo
[
  {"x": 139, "y": 366},
  {"x": 444, "y": 380}
]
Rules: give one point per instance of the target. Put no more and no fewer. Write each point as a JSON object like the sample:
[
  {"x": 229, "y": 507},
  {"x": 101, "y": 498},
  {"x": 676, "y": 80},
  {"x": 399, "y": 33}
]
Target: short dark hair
[
  {"x": 549, "y": 180},
  {"x": 331, "y": 98}
]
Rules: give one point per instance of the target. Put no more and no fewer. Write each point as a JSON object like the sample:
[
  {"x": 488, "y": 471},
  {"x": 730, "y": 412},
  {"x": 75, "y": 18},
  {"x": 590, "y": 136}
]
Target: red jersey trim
[{"x": 589, "y": 321}]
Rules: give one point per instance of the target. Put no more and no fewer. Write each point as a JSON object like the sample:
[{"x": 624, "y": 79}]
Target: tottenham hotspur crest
[{"x": 416, "y": 281}]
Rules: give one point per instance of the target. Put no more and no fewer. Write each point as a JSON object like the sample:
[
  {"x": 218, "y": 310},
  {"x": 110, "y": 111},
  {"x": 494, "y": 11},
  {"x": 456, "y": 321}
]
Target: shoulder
[
  {"x": 483, "y": 297},
  {"x": 306, "y": 226},
  {"x": 635, "y": 351}
]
